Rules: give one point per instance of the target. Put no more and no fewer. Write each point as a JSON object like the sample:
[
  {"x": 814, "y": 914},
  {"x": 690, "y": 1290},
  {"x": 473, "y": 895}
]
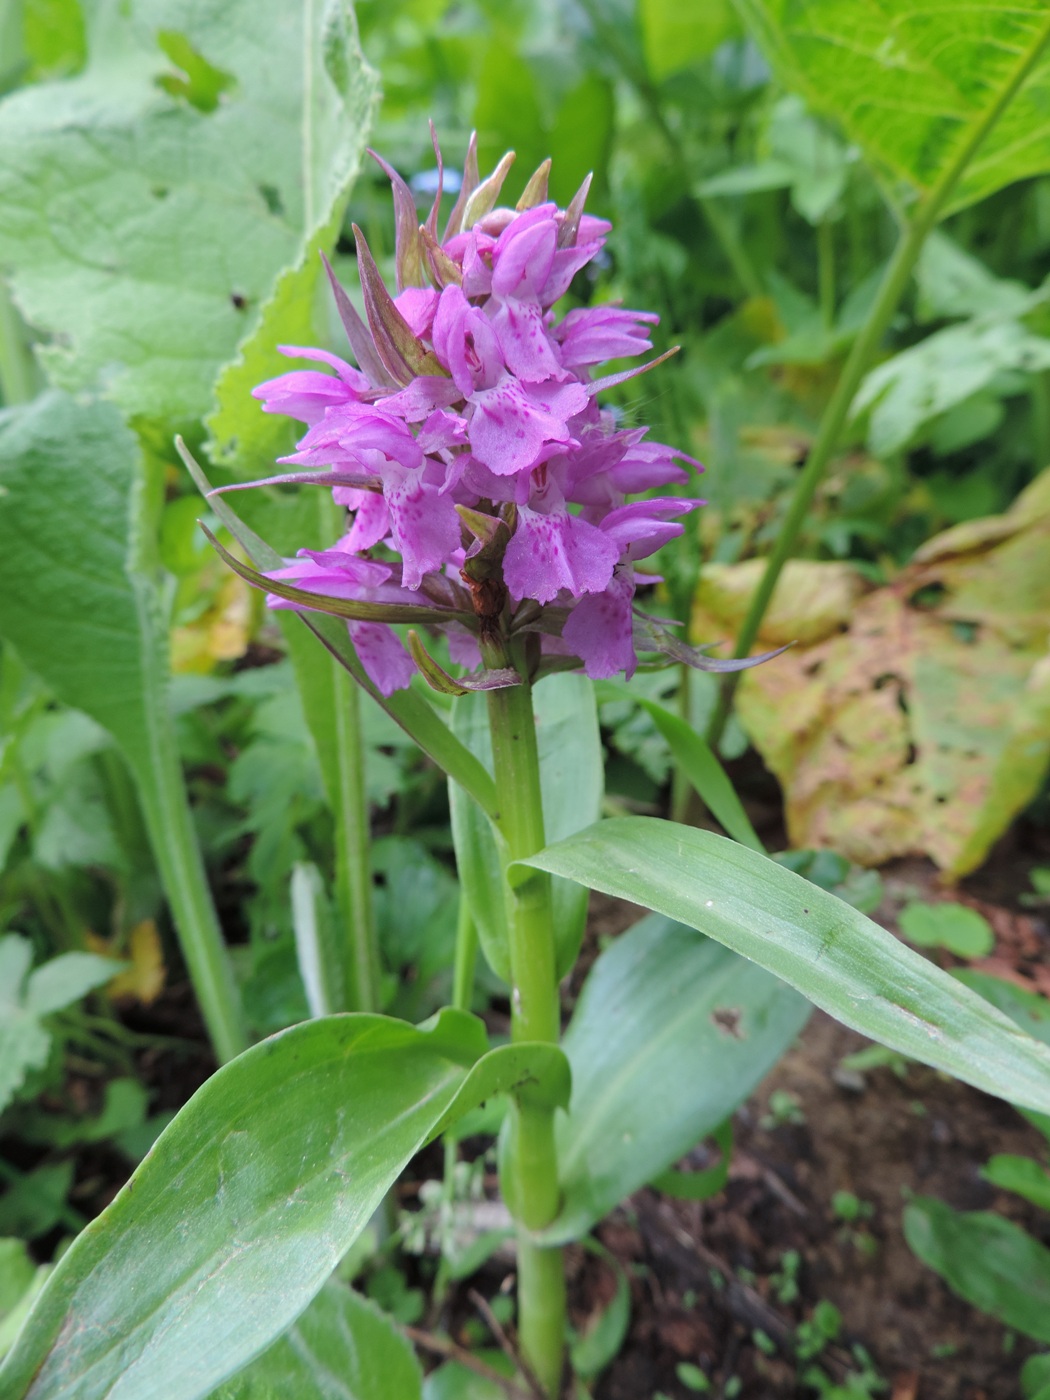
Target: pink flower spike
[
  {"x": 417, "y": 305},
  {"x": 509, "y": 430},
  {"x": 524, "y": 254},
  {"x": 424, "y": 525}
]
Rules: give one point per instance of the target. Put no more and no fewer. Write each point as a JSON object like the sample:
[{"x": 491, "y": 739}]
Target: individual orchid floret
[{"x": 486, "y": 488}]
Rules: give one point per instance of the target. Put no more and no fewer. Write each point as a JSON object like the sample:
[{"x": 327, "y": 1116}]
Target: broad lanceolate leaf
[
  {"x": 571, "y": 774},
  {"x": 988, "y": 1260},
  {"x": 914, "y": 81},
  {"x": 213, "y": 145},
  {"x": 341, "y": 1348},
  {"x": 832, "y": 953},
  {"x": 671, "y": 1033},
  {"x": 83, "y": 612},
  {"x": 248, "y": 1200}
]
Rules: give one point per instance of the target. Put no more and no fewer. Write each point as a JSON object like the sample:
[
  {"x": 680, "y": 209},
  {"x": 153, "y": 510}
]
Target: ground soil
[{"x": 708, "y": 1278}]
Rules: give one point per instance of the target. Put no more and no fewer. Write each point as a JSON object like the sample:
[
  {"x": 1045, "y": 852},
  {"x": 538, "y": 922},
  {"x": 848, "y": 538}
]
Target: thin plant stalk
[
  {"x": 463, "y": 972},
  {"x": 826, "y": 271},
  {"x": 178, "y": 856},
  {"x": 865, "y": 347},
  {"x": 353, "y": 845},
  {"x": 16, "y": 361},
  {"x": 531, "y": 1180}
]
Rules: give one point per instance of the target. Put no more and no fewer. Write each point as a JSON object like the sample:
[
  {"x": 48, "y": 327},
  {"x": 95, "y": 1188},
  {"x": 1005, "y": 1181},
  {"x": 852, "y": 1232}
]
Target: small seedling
[
  {"x": 692, "y": 1378},
  {"x": 784, "y": 1107},
  {"x": 960, "y": 930},
  {"x": 785, "y": 1281},
  {"x": 850, "y": 1209}
]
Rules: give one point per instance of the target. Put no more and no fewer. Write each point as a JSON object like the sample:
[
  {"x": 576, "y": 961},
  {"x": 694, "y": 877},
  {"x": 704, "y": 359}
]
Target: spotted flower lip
[{"x": 487, "y": 488}]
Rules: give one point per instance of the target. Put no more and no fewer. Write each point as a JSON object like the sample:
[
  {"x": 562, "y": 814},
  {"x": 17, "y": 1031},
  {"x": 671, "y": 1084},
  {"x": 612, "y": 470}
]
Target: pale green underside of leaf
[
  {"x": 341, "y": 1348},
  {"x": 203, "y": 209},
  {"x": 833, "y": 954},
  {"x": 671, "y": 1033},
  {"x": 248, "y": 1200},
  {"x": 910, "y": 80}
]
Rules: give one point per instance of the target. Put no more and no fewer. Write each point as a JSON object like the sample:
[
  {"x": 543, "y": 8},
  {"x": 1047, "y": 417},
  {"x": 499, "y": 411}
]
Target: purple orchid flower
[{"x": 485, "y": 484}]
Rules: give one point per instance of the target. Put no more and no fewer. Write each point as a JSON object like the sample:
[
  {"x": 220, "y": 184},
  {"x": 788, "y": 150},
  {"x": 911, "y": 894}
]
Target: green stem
[
  {"x": 826, "y": 272},
  {"x": 462, "y": 994},
  {"x": 895, "y": 280},
  {"x": 16, "y": 362},
  {"x": 1040, "y": 400},
  {"x": 353, "y": 850},
  {"x": 166, "y": 809},
  {"x": 466, "y": 958},
  {"x": 533, "y": 1168}
]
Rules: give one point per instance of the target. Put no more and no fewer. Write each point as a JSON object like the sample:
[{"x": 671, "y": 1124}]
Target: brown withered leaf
[{"x": 913, "y": 718}]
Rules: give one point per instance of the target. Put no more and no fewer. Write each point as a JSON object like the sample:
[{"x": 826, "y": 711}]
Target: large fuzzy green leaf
[
  {"x": 914, "y": 82},
  {"x": 249, "y": 1199},
  {"x": 80, "y": 604},
  {"x": 671, "y": 1033},
  {"x": 148, "y": 205},
  {"x": 829, "y": 951}
]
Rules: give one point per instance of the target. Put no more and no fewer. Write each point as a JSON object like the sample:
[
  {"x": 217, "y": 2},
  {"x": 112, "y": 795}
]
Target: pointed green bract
[{"x": 838, "y": 958}]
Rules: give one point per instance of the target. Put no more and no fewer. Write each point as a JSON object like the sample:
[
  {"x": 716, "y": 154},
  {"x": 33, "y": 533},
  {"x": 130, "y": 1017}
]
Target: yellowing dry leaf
[
  {"x": 219, "y": 634},
  {"x": 144, "y": 979},
  {"x": 914, "y": 718}
]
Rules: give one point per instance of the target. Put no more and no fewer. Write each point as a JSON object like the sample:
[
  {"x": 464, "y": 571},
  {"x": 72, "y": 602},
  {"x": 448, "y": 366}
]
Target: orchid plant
[{"x": 487, "y": 489}]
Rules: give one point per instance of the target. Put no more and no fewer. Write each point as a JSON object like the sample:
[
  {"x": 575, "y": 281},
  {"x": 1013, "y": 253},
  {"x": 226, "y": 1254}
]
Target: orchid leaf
[
  {"x": 341, "y": 1348},
  {"x": 248, "y": 1200},
  {"x": 842, "y": 961}
]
